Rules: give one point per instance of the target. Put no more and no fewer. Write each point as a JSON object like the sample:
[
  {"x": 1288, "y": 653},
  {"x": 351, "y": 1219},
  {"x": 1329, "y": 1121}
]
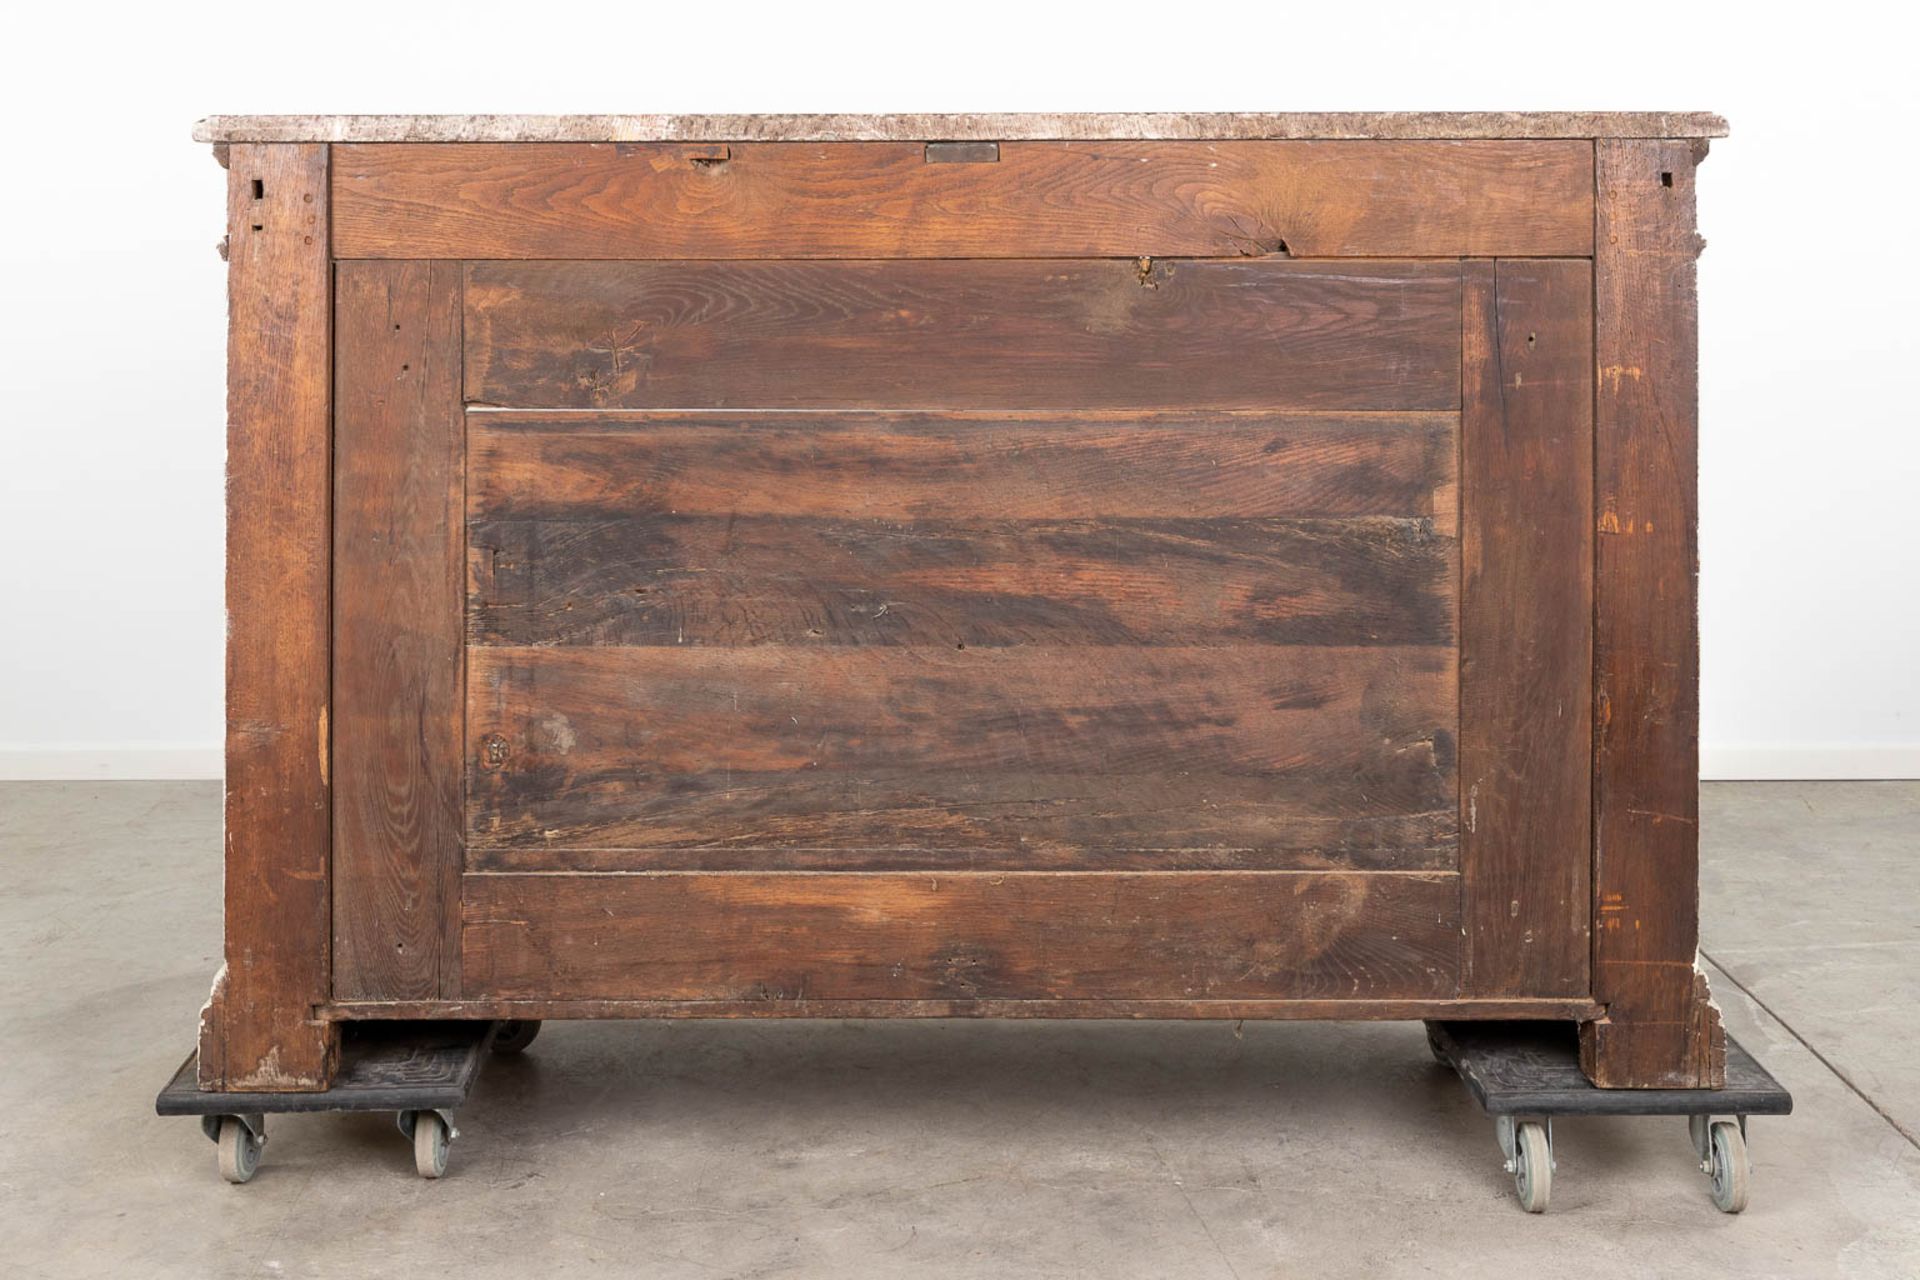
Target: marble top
[{"x": 1159, "y": 126}]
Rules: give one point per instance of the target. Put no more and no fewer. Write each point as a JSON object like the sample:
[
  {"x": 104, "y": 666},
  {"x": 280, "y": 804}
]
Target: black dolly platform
[{"x": 1523, "y": 1074}]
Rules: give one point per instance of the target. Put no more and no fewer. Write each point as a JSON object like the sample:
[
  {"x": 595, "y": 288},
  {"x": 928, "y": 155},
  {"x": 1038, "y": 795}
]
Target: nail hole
[
  {"x": 1666, "y": 179},
  {"x": 1531, "y": 338},
  {"x": 961, "y": 645},
  {"x": 256, "y": 226},
  {"x": 405, "y": 367},
  {"x": 259, "y": 189}
]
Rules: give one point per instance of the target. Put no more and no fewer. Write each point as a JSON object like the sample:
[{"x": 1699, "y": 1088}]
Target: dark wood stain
[
  {"x": 399, "y": 582},
  {"x": 714, "y": 580},
  {"x": 258, "y": 1030},
  {"x": 774, "y": 938},
  {"x": 1290, "y": 755},
  {"x": 1661, "y": 1029},
  {"x": 1526, "y": 493},
  {"x": 894, "y": 466},
  {"x": 1266, "y": 334},
  {"x": 1039, "y": 200}
]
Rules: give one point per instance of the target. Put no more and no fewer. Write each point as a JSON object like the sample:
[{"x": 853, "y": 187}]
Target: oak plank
[
  {"x": 717, "y": 580},
  {"x": 1661, "y": 1029},
  {"x": 258, "y": 1031},
  {"x": 1248, "y": 755},
  {"x": 1110, "y": 199},
  {"x": 399, "y": 584},
  {"x": 896, "y": 466},
  {"x": 788, "y": 936},
  {"x": 1267, "y": 334},
  {"x": 1526, "y": 601}
]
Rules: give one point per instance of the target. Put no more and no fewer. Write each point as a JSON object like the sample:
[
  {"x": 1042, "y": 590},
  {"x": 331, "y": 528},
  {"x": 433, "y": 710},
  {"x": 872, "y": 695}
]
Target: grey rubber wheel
[
  {"x": 1433, "y": 1047},
  {"x": 1730, "y": 1171},
  {"x": 430, "y": 1144},
  {"x": 515, "y": 1036},
  {"x": 239, "y": 1150},
  {"x": 1532, "y": 1166}
]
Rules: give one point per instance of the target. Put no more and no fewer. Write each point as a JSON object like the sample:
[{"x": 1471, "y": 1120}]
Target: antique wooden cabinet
[{"x": 1070, "y": 566}]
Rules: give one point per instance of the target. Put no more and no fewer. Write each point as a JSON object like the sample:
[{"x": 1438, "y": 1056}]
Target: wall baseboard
[
  {"x": 1830, "y": 762},
  {"x": 47, "y": 764},
  {"x": 110, "y": 762}
]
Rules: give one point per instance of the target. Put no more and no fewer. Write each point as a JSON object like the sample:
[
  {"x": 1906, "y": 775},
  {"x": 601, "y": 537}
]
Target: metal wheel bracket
[
  {"x": 1507, "y": 1129},
  {"x": 256, "y": 1125},
  {"x": 405, "y": 1121},
  {"x": 1700, "y": 1129}
]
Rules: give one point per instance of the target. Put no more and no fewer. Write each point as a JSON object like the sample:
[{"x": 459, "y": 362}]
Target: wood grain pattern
[
  {"x": 891, "y": 529},
  {"x": 1526, "y": 614},
  {"x": 1250, "y": 755},
  {"x": 717, "y": 580},
  {"x": 1344, "y": 1008},
  {"x": 1661, "y": 1028},
  {"x": 1040, "y": 200},
  {"x": 789, "y": 936},
  {"x": 399, "y": 583},
  {"x": 258, "y": 1031},
  {"x": 890, "y": 466},
  {"x": 1266, "y": 334}
]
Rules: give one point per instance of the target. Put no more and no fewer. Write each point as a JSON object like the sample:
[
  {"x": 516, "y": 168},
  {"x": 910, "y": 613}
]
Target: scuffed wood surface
[
  {"x": 964, "y": 529},
  {"x": 399, "y": 586},
  {"x": 1662, "y": 1029},
  {"x": 1249, "y": 754},
  {"x": 664, "y": 201},
  {"x": 990, "y": 127},
  {"x": 1262, "y": 333},
  {"x": 257, "y": 1031},
  {"x": 784, "y": 936},
  {"x": 1526, "y": 601}
]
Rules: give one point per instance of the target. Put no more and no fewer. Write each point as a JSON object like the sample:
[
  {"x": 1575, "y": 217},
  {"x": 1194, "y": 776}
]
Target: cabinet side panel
[
  {"x": 258, "y": 1031},
  {"x": 399, "y": 591},
  {"x": 1661, "y": 1029},
  {"x": 1525, "y": 617}
]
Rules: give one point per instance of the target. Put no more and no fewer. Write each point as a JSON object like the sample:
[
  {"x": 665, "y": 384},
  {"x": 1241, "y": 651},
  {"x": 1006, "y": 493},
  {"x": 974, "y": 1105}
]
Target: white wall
[{"x": 111, "y": 332}]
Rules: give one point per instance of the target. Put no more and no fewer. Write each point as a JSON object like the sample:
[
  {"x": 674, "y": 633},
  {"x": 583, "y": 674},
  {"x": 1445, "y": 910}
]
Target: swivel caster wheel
[
  {"x": 239, "y": 1140},
  {"x": 431, "y": 1135},
  {"x": 515, "y": 1036},
  {"x": 1433, "y": 1047},
  {"x": 1722, "y": 1148},
  {"x": 1528, "y": 1145}
]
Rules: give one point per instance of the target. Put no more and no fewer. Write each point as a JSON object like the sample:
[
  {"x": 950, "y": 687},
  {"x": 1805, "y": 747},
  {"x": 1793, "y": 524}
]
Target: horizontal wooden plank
[
  {"x": 1037, "y": 935},
  {"x": 1004, "y": 466},
  {"x": 717, "y": 580},
  {"x": 1252, "y": 755},
  {"x": 1569, "y": 1009},
  {"x": 669, "y": 200},
  {"x": 1258, "y": 334}
]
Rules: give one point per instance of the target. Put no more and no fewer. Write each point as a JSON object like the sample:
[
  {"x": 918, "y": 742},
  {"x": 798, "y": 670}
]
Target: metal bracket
[
  {"x": 405, "y": 1122},
  {"x": 256, "y": 1125},
  {"x": 1507, "y": 1128},
  {"x": 1700, "y": 1129}
]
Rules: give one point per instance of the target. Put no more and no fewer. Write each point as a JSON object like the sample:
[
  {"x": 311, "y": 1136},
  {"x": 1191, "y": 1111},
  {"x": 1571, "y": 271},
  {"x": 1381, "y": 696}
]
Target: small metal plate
[
  {"x": 384, "y": 1066},
  {"x": 1533, "y": 1068}
]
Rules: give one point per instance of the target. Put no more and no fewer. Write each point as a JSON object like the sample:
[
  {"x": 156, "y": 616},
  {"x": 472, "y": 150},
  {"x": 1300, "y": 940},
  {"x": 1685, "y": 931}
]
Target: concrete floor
[{"x": 951, "y": 1149}]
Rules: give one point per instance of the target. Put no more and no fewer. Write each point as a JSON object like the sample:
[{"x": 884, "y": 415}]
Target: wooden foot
[
  {"x": 251, "y": 1046},
  {"x": 1629, "y": 1051}
]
